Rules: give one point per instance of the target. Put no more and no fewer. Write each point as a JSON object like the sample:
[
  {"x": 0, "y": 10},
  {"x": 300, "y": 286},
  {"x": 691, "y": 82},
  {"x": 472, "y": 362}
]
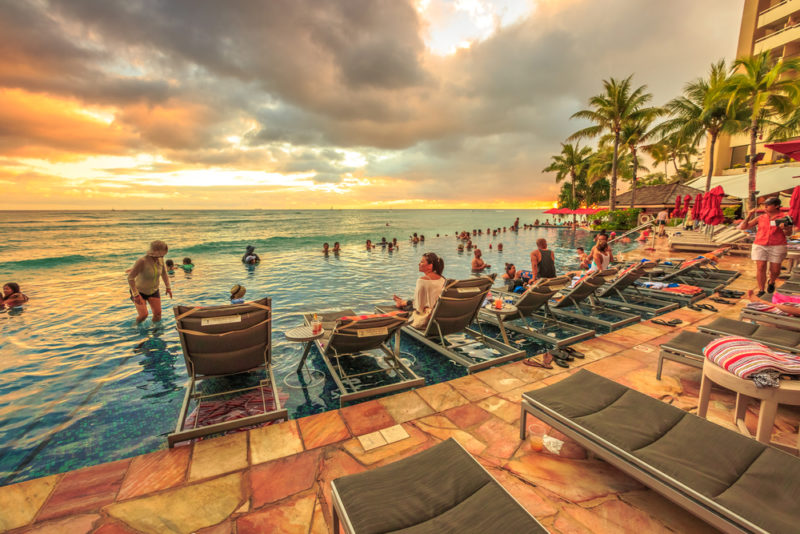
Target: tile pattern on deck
[{"x": 277, "y": 478}]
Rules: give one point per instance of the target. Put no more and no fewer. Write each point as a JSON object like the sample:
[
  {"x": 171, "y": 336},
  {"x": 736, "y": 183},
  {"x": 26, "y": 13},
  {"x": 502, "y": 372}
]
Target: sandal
[
  {"x": 560, "y": 362},
  {"x": 547, "y": 360},
  {"x": 708, "y": 307},
  {"x": 662, "y": 323},
  {"x": 674, "y": 322},
  {"x": 560, "y": 354},
  {"x": 720, "y": 301},
  {"x": 574, "y": 352}
]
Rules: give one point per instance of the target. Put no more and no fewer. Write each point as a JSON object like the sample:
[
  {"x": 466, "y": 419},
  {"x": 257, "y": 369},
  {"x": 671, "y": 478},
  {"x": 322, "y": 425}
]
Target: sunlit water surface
[{"x": 81, "y": 383}]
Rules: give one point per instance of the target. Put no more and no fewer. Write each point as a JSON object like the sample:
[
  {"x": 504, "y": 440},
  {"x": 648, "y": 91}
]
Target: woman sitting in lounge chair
[{"x": 429, "y": 285}]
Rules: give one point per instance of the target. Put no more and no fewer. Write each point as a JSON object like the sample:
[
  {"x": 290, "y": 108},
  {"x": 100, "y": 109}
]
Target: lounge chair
[
  {"x": 226, "y": 340},
  {"x": 439, "y": 490},
  {"x": 575, "y": 303},
  {"x": 732, "y": 482},
  {"x": 541, "y": 326},
  {"x": 771, "y": 316},
  {"x": 622, "y": 292},
  {"x": 448, "y": 329},
  {"x": 687, "y": 347},
  {"x": 700, "y": 242},
  {"x": 355, "y": 351},
  {"x": 689, "y": 274}
]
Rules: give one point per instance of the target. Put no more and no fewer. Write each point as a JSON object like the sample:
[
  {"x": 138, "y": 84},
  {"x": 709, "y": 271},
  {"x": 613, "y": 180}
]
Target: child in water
[
  {"x": 12, "y": 296},
  {"x": 187, "y": 265},
  {"x": 170, "y": 266},
  {"x": 237, "y": 294}
]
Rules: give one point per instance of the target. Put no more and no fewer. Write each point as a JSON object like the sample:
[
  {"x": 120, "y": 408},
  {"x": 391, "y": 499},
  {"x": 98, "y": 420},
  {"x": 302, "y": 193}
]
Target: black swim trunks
[{"x": 146, "y": 297}]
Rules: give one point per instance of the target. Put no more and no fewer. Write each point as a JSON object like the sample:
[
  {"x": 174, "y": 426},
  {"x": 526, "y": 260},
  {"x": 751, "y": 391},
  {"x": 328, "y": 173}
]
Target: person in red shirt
[{"x": 769, "y": 245}]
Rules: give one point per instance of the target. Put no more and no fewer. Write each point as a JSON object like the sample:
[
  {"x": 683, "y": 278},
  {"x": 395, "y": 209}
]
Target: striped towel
[
  {"x": 371, "y": 316},
  {"x": 744, "y": 357}
]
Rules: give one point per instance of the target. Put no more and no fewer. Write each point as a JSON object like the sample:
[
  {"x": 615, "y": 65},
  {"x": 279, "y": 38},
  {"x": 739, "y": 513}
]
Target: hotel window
[{"x": 739, "y": 155}]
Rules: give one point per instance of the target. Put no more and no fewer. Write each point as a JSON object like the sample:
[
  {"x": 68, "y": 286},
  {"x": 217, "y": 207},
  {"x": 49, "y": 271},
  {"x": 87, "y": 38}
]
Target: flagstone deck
[{"x": 277, "y": 478}]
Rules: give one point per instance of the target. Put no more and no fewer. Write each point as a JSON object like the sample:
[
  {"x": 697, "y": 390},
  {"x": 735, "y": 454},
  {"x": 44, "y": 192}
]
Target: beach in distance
[{"x": 81, "y": 383}]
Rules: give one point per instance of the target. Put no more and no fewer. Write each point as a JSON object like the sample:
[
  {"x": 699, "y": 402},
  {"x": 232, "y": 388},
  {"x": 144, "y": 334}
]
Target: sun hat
[{"x": 237, "y": 291}]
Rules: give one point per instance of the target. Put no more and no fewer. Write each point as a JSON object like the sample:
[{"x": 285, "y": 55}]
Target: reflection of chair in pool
[
  {"x": 734, "y": 483},
  {"x": 576, "y": 303},
  {"x": 448, "y": 330},
  {"x": 354, "y": 348},
  {"x": 542, "y": 326},
  {"x": 441, "y": 489},
  {"x": 226, "y": 340},
  {"x": 622, "y": 292}
]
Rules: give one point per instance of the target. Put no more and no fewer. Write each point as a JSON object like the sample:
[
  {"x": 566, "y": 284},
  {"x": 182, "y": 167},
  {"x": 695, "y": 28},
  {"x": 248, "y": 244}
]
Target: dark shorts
[
  {"x": 662, "y": 223},
  {"x": 146, "y": 297}
]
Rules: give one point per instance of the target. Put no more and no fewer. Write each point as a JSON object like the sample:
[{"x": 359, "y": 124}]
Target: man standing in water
[
  {"x": 542, "y": 261},
  {"x": 144, "y": 281}
]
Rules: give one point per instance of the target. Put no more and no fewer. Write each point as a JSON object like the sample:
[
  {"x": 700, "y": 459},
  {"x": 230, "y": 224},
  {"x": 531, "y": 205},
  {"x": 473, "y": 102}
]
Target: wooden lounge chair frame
[
  {"x": 363, "y": 338},
  {"x": 729, "y": 444},
  {"x": 572, "y": 303},
  {"x": 220, "y": 322},
  {"x": 467, "y": 496},
  {"x": 470, "y": 294},
  {"x": 535, "y": 298},
  {"x": 633, "y": 299}
]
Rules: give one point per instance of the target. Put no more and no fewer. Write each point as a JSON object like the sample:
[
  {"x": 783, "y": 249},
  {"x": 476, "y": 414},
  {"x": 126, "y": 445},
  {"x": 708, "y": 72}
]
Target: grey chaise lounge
[
  {"x": 534, "y": 318},
  {"x": 732, "y": 482},
  {"x": 225, "y": 340},
  {"x": 769, "y": 316},
  {"x": 355, "y": 351},
  {"x": 622, "y": 292},
  {"x": 577, "y": 303},
  {"x": 448, "y": 331},
  {"x": 440, "y": 490}
]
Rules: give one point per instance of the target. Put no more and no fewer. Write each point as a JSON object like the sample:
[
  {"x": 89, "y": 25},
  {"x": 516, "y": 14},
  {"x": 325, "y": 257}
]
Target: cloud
[{"x": 293, "y": 86}]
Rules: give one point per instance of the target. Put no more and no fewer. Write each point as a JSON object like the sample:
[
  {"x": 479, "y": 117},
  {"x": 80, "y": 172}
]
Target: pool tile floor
[{"x": 277, "y": 478}]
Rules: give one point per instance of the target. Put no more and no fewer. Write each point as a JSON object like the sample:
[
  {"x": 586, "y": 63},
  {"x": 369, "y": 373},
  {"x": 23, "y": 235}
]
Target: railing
[
  {"x": 629, "y": 232},
  {"x": 773, "y": 34},
  {"x": 770, "y": 8}
]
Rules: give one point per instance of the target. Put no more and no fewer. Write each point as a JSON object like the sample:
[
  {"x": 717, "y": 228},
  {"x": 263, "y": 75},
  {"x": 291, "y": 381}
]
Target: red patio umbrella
[
  {"x": 677, "y": 211},
  {"x": 697, "y": 209},
  {"x": 794, "y": 206},
  {"x": 790, "y": 148},
  {"x": 712, "y": 214},
  {"x": 551, "y": 211},
  {"x": 686, "y": 201}
]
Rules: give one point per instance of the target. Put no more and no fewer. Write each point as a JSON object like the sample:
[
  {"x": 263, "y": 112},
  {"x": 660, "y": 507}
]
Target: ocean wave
[{"x": 44, "y": 263}]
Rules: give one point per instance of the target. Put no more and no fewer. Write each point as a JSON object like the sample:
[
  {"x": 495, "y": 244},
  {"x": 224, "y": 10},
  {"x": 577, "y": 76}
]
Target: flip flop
[
  {"x": 674, "y": 322},
  {"x": 560, "y": 362},
  {"x": 559, "y": 354},
  {"x": 544, "y": 364},
  {"x": 574, "y": 352},
  {"x": 708, "y": 307},
  {"x": 720, "y": 301},
  {"x": 662, "y": 323}
]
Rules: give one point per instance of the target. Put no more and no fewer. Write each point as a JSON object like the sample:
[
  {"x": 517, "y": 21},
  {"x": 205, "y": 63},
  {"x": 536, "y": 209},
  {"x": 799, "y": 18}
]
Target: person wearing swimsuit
[
  {"x": 542, "y": 261},
  {"x": 601, "y": 258},
  {"x": 143, "y": 279}
]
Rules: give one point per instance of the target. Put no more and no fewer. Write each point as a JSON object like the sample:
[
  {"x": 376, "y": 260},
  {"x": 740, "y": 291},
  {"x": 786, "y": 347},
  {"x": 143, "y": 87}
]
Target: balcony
[
  {"x": 778, "y": 12},
  {"x": 777, "y": 39}
]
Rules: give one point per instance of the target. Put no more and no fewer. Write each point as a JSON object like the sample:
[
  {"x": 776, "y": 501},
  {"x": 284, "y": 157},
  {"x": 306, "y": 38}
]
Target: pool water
[{"x": 81, "y": 383}]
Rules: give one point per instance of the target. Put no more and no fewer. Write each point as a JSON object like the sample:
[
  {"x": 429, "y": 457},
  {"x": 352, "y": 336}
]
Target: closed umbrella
[
  {"x": 686, "y": 201},
  {"x": 794, "y": 206},
  {"x": 677, "y": 211},
  {"x": 712, "y": 214},
  {"x": 697, "y": 209}
]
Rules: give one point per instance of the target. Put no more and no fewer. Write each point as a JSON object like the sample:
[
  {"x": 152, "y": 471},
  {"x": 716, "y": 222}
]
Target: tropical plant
[
  {"x": 660, "y": 154},
  {"x": 573, "y": 161},
  {"x": 603, "y": 163},
  {"x": 632, "y": 135},
  {"x": 768, "y": 90},
  {"x": 688, "y": 172},
  {"x": 654, "y": 178},
  {"x": 705, "y": 109},
  {"x": 609, "y": 111}
]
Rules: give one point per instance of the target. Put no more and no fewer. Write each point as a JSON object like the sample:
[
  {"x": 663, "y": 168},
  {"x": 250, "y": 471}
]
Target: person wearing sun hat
[
  {"x": 237, "y": 294},
  {"x": 143, "y": 279}
]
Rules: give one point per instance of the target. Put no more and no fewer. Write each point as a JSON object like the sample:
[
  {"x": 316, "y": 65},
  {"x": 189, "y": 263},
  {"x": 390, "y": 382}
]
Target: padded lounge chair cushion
[
  {"x": 765, "y": 334},
  {"x": 441, "y": 489},
  {"x": 751, "y": 480},
  {"x": 689, "y": 342}
]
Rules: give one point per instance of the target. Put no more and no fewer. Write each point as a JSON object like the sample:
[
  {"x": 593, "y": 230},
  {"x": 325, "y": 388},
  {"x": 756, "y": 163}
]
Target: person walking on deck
[
  {"x": 769, "y": 245},
  {"x": 542, "y": 261}
]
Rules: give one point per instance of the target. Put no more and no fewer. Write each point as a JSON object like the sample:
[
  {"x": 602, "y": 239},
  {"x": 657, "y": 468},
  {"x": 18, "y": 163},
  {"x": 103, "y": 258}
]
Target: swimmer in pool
[
  {"x": 250, "y": 257},
  {"x": 143, "y": 279},
  {"x": 170, "y": 266},
  {"x": 187, "y": 265},
  {"x": 237, "y": 294},
  {"x": 12, "y": 296}
]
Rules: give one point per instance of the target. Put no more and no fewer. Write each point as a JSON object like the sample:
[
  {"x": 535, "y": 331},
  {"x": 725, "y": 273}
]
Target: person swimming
[
  {"x": 12, "y": 296},
  {"x": 187, "y": 265},
  {"x": 477, "y": 262},
  {"x": 336, "y": 248},
  {"x": 250, "y": 257},
  {"x": 237, "y": 294},
  {"x": 170, "y": 266},
  {"x": 325, "y": 248}
]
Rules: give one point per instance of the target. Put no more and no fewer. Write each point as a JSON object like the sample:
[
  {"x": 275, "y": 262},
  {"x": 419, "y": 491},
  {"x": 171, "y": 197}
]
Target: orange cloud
[{"x": 56, "y": 129}]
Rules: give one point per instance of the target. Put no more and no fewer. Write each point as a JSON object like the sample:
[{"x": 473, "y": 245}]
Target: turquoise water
[{"x": 81, "y": 383}]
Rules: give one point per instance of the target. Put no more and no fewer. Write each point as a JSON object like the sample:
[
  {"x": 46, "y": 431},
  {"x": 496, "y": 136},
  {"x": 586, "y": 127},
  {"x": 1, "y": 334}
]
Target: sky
[{"x": 273, "y": 104}]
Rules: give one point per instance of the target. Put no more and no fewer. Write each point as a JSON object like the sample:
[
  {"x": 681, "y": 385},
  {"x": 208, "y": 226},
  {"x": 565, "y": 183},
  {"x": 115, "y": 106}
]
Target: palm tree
[
  {"x": 618, "y": 104},
  {"x": 660, "y": 154},
  {"x": 572, "y": 162},
  {"x": 632, "y": 135},
  {"x": 603, "y": 163},
  {"x": 767, "y": 89},
  {"x": 704, "y": 109}
]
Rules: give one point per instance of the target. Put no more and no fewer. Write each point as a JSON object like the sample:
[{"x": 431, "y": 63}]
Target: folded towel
[{"x": 745, "y": 358}]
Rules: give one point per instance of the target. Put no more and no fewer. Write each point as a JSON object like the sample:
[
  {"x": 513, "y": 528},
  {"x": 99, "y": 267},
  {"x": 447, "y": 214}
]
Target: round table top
[
  {"x": 505, "y": 310},
  {"x": 303, "y": 333}
]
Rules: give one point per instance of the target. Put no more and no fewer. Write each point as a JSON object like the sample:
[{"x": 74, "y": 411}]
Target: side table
[
  {"x": 507, "y": 309},
  {"x": 304, "y": 334}
]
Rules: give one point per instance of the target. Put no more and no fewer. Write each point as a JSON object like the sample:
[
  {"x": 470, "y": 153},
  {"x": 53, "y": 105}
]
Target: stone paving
[{"x": 277, "y": 478}]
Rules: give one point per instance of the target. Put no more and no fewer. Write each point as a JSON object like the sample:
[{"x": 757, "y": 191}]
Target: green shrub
[{"x": 624, "y": 219}]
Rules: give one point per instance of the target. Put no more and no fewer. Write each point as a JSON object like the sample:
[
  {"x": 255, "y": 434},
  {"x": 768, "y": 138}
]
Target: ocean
[{"x": 81, "y": 383}]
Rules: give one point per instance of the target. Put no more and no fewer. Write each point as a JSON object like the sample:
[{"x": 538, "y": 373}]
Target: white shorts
[{"x": 769, "y": 253}]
